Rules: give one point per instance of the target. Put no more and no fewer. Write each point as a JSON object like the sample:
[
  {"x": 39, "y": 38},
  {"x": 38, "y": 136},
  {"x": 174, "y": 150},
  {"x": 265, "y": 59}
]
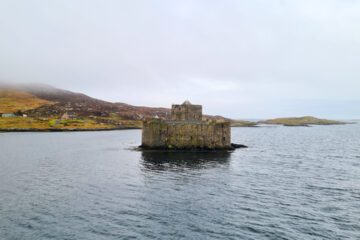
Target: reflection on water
[{"x": 162, "y": 160}]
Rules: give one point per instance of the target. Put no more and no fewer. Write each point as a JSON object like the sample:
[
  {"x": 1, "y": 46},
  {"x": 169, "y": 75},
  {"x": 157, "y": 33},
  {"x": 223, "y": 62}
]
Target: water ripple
[{"x": 291, "y": 183}]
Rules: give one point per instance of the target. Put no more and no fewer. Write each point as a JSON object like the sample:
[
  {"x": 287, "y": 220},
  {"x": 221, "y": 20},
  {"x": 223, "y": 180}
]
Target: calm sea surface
[{"x": 291, "y": 183}]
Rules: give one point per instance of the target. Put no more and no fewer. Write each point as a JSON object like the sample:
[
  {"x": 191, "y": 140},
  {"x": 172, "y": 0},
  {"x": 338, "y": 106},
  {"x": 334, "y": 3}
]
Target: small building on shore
[
  {"x": 186, "y": 130},
  {"x": 68, "y": 115}
]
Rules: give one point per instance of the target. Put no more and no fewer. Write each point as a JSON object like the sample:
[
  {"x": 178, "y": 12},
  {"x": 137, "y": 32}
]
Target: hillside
[
  {"x": 12, "y": 101},
  {"x": 44, "y": 107},
  {"x": 85, "y": 106},
  {"x": 301, "y": 121}
]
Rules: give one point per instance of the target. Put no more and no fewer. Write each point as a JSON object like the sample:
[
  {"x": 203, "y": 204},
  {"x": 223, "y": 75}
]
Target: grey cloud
[{"x": 239, "y": 58}]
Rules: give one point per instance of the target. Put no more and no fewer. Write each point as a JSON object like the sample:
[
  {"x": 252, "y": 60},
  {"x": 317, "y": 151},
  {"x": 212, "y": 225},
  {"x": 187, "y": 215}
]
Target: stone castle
[{"x": 186, "y": 130}]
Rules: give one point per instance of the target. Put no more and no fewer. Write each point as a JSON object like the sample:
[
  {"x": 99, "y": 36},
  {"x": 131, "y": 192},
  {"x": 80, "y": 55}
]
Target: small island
[
  {"x": 301, "y": 121},
  {"x": 243, "y": 123}
]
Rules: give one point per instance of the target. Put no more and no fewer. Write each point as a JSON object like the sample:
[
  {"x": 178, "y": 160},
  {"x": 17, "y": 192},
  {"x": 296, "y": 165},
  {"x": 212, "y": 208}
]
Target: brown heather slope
[
  {"x": 85, "y": 106},
  {"x": 12, "y": 101}
]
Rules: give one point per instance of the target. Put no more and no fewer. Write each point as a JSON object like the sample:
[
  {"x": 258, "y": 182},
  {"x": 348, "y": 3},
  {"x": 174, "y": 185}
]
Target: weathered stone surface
[
  {"x": 186, "y": 112},
  {"x": 174, "y": 134},
  {"x": 186, "y": 131}
]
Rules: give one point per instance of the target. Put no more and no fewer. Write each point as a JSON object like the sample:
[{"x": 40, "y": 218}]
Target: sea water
[{"x": 291, "y": 183}]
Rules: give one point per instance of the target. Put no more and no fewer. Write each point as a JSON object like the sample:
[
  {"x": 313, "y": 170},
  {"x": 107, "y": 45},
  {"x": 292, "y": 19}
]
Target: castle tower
[{"x": 186, "y": 112}]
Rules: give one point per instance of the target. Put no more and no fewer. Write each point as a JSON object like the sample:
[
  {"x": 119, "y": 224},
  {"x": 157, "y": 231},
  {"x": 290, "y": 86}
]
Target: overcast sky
[{"x": 240, "y": 59}]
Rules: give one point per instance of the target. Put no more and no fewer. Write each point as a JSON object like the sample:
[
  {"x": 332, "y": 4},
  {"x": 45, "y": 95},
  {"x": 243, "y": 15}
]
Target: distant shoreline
[
  {"x": 138, "y": 128},
  {"x": 66, "y": 130}
]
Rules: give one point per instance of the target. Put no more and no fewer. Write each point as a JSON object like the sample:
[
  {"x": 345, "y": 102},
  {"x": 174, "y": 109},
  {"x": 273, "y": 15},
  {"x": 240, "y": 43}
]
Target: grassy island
[
  {"x": 301, "y": 121},
  {"x": 243, "y": 123}
]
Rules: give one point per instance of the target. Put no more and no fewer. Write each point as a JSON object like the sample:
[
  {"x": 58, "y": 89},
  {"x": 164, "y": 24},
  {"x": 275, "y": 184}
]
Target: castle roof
[{"x": 187, "y": 102}]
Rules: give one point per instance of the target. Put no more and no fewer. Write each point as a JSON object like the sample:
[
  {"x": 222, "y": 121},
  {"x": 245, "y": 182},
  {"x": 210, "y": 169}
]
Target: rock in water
[{"x": 234, "y": 145}]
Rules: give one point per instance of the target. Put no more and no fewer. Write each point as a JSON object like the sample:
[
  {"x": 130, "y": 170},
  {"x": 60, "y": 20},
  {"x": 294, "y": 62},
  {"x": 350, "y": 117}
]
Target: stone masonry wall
[
  {"x": 186, "y": 112},
  {"x": 186, "y": 135}
]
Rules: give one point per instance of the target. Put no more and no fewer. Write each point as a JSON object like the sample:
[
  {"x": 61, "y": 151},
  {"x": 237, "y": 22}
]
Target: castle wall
[
  {"x": 186, "y": 135},
  {"x": 186, "y": 112}
]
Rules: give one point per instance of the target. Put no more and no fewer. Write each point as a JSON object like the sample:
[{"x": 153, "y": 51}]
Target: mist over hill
[
  {"x": 59, "y": 101},
  {"x": 55, "y": 102}
]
